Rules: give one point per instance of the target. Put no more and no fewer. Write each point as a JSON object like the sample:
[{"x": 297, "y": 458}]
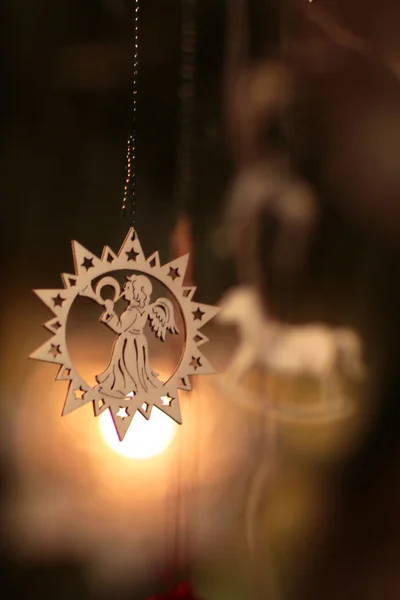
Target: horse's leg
[
  {"x": 324, "y": 388},
  {"x": 329, "y": 386},
  {"x": 331, "y": 389}
]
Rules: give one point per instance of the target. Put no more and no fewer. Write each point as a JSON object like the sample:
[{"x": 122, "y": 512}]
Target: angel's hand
[{"x": 109, "y": 305}]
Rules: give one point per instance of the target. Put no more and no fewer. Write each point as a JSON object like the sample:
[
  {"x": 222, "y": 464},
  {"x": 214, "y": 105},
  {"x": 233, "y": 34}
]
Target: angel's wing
[{"x": 161, "y": 317}]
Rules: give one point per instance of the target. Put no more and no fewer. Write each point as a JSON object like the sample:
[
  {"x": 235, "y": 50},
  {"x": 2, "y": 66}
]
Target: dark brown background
[{"x": 66, "y": 110}]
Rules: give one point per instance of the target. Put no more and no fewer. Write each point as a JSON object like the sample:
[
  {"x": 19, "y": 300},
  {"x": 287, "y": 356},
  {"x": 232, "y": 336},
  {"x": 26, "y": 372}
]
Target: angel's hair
[{"x": 142, "y": 289}]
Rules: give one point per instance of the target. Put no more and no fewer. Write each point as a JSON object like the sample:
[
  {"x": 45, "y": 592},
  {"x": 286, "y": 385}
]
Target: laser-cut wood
[{"x": 129, "y": 383}]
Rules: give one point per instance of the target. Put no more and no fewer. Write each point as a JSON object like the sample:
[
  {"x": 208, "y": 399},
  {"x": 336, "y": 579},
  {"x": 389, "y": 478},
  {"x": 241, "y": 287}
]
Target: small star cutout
[
  {"x": 130, "y": 395},
  {"x": 87, "y": 263},
  {"x": 166, "y": 400},
  {"x": 145, "y": 407},
  {"x": 79, "y": 393},
  {"x": 132, "y": 255},
  {"x": 55, "y": 350},
  {"x": 58, "y": 300},
  {"x": 173, "y": 273},
  {"x": 56, "y": 325},
  {"x": 198, "y": 314},
  {"x": 195, "y": 363},
  {"x": 122, "y": 413}
]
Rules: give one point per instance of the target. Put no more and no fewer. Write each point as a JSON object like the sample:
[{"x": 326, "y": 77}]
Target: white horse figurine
[{"x": 313, "y": 350}]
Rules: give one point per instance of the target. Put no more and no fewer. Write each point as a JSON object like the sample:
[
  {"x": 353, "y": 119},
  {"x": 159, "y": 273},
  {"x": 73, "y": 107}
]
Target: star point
[
  {"x": 58, "y": 300},
  {"x": 173, "y": 273},
  {"x": 132, "y": 255},
  {"x": 79, "y": 393},
  {"x": 198, "y": 314},
  {"x": 195, "y": 362},
  {"x": 87, "y": 263},
  {"x": 167, "y": 399},
  {"x": 55, "y": 350},
  {"x": 122, "y": 413}
]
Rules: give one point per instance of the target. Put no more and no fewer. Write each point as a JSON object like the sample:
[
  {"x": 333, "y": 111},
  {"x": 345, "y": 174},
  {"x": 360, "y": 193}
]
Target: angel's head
[{"x": 137, "y": 290}]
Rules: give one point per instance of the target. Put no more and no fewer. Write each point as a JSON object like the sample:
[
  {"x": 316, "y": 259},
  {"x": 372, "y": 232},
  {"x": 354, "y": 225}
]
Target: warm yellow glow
[{"x": 144, "y": 439}]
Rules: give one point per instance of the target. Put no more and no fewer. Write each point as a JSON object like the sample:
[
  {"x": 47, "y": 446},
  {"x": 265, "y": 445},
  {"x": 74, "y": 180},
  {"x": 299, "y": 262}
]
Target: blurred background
[{"x": 288, "y": 92}]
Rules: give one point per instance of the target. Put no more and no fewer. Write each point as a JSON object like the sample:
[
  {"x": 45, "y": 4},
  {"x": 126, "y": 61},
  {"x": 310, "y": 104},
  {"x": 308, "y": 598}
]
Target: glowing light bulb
[{"x": 144, "y": 439}]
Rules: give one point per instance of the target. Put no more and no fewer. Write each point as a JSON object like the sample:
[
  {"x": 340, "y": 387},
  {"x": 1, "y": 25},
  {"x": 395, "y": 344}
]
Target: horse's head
[{"x": 238, "y": 304}]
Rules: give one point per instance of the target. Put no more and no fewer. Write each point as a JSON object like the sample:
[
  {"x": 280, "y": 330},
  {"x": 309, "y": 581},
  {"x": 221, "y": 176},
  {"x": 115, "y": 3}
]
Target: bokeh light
[{"x": 144, "y": 439}]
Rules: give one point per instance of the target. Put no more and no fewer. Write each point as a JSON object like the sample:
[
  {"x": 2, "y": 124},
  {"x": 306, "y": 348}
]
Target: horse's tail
[{"x": 349, "y": 353}]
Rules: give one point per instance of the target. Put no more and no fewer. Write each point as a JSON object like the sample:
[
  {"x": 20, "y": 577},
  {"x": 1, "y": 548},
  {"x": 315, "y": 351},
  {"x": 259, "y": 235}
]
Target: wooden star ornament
[{"x": 129, "y": 383}]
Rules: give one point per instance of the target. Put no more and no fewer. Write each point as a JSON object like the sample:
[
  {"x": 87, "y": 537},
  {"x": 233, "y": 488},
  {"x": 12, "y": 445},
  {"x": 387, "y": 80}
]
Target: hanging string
[
  {"x": 185, "y": 177},
  {"x": 236, "y": 61},
  {"x": 286, "y": 30},
  {"x": 184, "y": 195},
  {"x": 128, "y": 207},
  {"x": 184, "y": 198},
  {"x": 185, "y": 171},
  {"x": 286, "y": 27}
]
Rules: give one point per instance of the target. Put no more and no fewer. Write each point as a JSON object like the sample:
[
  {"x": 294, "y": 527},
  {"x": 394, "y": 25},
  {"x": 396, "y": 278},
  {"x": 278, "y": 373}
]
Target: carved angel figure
[{"x": 129, "y": 369}]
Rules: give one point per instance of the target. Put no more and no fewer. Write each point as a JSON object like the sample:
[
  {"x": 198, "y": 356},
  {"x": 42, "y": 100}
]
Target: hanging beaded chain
[{"x": 128, "y": 207}]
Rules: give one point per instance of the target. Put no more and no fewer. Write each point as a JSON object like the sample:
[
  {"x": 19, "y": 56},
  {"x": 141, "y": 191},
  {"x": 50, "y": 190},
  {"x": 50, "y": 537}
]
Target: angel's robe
[{"x": 129, "y": 369}]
